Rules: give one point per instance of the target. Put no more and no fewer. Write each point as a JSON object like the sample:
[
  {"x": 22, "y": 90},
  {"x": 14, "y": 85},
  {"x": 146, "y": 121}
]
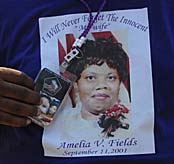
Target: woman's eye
[
  {"x": 90, "y": 78},
  {"x": 111, "y": 77},
  {"x": 44, "y": 105}
]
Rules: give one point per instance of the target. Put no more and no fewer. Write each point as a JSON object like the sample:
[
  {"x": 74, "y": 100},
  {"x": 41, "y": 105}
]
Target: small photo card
[{"x": 53, "y": 89}]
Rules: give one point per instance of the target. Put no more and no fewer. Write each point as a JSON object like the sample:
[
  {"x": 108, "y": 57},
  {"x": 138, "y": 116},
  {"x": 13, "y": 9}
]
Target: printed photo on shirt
[{"x": 101, "y": 93}]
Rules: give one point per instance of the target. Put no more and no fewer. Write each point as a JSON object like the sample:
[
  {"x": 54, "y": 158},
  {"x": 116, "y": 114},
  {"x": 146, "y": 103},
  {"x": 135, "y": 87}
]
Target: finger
[
  {"x": 17, "y": 108},
  {"x": 12, "y": 120},
  {"x": 17, "y": 77},
  {"x": 18, "y": 92}
]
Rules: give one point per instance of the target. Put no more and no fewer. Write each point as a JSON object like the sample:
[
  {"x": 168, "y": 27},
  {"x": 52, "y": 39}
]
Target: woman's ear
[
  {"x": 74, "y": 94},
  {"x": 75, "y": 86},
  {"x": 71, "y": 94}
]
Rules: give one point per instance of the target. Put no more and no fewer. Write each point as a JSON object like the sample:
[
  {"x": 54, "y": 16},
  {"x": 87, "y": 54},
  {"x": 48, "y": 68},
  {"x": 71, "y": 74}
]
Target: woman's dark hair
[
  {"x": 98, "y": 52},
  {"x": 45, "y": 96},
  {"x": 55, "y": 103}
]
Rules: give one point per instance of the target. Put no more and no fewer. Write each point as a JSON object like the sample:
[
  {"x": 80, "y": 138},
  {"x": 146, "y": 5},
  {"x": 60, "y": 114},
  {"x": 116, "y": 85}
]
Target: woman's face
[
  {"x": 98, "y": 88},
  {"x": 44, "y": 106},
  {"x": 53, "y": 109}
]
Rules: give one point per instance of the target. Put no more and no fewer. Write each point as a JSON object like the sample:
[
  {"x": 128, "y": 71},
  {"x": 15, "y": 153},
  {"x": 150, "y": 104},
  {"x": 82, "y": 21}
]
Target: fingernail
[
  {"x": 28, "y": 122},
  {"x": 38, "y": 111}
]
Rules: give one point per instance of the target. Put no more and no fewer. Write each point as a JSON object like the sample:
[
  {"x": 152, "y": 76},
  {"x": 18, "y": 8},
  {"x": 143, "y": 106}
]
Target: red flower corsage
[{"x": 113, "y": 119}]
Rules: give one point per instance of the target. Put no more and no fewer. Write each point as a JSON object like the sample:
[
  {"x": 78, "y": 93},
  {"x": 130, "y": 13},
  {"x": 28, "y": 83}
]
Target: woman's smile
[{"x": 100, "y": 96}]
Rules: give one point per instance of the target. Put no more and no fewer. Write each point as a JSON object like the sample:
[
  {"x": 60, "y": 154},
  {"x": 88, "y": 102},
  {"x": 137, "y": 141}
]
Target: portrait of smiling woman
[{"x": 102, "y": 101}]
